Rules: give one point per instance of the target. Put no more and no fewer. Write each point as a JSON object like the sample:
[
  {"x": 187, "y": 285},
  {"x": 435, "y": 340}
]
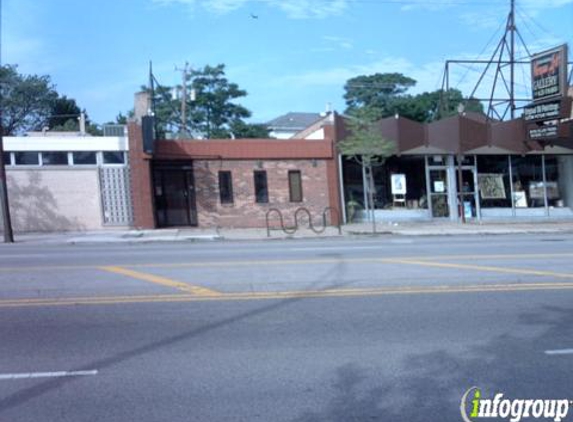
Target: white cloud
[
  {"x": 341, "y": 42},
  {"x": 534, "y": 7},
  {"x": 296, "y": 9},
  {"x": 413, "y": 5},
  {"x": 337, "y": 76}
]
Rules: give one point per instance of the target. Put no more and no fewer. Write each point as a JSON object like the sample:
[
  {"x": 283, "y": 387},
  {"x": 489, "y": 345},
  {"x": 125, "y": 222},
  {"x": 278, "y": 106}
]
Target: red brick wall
[
  {"x": 140, "y": 178},
  {"x": 245, "y": 212}
]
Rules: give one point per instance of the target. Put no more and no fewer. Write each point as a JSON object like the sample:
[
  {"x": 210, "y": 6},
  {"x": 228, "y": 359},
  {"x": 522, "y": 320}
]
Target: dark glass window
[
  {"x": 113, "y": 157},
  {"x": 493, "y": 181},
  {"x": 55, "y": 158},
  {"x": 295, "y": 186},
  {"x": 84, "y": 158},
  {"x": 261, "y": 189},
  {"x": 226, "y": 187},
  {"x": 7, "y": 161},
  {"x": 527, "y": 181},
  {"x": 26, "y": 158}
]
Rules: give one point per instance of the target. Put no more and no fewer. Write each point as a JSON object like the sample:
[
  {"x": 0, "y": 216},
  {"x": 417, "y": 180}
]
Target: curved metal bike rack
[{"x": 298, "y": 211}]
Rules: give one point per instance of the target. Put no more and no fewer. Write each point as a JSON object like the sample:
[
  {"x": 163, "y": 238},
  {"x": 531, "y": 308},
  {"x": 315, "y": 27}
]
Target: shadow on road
[
  {"x": 433, "y": 383},
  {"x": 334, "y": 275}
]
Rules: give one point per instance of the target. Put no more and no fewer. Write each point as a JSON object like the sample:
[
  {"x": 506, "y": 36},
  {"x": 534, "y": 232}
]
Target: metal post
[
  {"x": 460, "y": 191},
  {"x": 342, "y": 195},
  {"x": 365, "y": 189},
  {"x": 5, "y": 207},
  {"x": 512, "y": 193},
  {"x": 512, "y": 60},
  {"x": 544, "y": 178}
]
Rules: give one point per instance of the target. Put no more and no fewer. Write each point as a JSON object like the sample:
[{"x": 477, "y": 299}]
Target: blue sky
[{"x": 295, "y": 57}]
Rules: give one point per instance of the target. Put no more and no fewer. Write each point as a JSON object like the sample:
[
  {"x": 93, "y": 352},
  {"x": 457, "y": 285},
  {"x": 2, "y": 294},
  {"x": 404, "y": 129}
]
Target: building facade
[
  {"x": 464, "y": 167},
  {"x": 63, "y": 181},
  {"x": 233, "y": 183}
]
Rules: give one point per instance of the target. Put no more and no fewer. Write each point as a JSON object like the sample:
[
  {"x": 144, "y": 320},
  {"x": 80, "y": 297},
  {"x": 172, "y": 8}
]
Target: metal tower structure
[{"x": 502, "y": 100}]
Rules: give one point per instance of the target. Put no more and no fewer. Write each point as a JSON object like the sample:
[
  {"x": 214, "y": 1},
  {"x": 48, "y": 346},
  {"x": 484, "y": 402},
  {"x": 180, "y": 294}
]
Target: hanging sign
[
  {"x": 544, "y": 132},
  {"x": 545, "y": 111},
  {"x": 549, "y": 74}
]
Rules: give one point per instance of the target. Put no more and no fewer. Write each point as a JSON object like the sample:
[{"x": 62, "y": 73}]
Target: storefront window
[
  {"x": 554, "y": 194},
  {"x": 527, "y": 181},
  {"x": 353, "y": 183},
  {"x": 401, "y": 183},
  {"x": 493, "y": 181}
]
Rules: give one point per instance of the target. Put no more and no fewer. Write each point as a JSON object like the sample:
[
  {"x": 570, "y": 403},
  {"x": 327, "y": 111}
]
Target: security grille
[
  {"x": 114, "y": 130},
  {"x": 116, "y": 196}
]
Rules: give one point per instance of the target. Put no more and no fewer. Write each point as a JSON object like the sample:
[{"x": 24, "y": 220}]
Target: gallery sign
[{"x": 549, "y": 74}]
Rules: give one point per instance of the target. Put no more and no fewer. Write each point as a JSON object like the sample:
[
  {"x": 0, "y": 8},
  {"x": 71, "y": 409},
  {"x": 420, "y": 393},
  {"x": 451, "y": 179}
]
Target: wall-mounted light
[
  {"x": 259, "y": 164},
  {"x": 314, "y": 162}
]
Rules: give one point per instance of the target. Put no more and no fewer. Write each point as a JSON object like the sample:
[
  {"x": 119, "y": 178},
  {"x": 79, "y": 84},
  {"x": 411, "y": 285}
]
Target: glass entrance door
[
  {"x": 439, "y": 193},
  {"x": 174, "y": 197},
  {"x": 468, "y": 193}
]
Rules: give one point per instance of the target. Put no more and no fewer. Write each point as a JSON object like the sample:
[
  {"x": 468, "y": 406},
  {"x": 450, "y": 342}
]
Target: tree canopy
[
  {"x": 31, "y": 102},
  {"x": 26, "y": 100},
  {"x": 211, "y": 112},
  {"x": 364, "y": 141},
  {"x": 386, "y": 94}
]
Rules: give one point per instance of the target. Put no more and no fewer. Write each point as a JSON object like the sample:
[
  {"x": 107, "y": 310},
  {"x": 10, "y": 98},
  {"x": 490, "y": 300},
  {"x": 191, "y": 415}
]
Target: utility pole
[
  {"x": 6, "y": 220},
  {"x": 184, "y": 73},
  {"x": 512, "y": 60},
  {"x": 4, "y": 205}
]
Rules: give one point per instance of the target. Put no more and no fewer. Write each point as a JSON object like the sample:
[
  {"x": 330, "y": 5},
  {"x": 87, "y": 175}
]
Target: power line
[{"x": 481, "y": 52}]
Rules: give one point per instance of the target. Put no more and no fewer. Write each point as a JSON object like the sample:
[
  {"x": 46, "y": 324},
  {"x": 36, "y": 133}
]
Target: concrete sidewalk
[{"x": 430, "y": 228}]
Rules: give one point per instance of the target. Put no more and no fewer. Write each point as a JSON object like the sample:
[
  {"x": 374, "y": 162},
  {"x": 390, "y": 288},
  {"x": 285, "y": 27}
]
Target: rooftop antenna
[{"x": 184, "y": 73}]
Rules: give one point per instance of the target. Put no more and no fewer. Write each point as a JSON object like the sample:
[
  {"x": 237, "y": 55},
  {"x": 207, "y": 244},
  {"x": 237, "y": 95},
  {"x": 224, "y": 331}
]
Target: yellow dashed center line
[
  {"x": 329, "y": 293},
  {"x": 485, "y": 268},
  {"x": 163, "y": 281}
]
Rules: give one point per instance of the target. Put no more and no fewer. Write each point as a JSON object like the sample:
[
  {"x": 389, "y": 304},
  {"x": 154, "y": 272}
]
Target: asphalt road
[{"x": 385, "y": 329}]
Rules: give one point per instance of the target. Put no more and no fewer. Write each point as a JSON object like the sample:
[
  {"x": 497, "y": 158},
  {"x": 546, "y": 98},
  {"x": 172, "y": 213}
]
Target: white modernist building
[{"x": 63, "y": 181}]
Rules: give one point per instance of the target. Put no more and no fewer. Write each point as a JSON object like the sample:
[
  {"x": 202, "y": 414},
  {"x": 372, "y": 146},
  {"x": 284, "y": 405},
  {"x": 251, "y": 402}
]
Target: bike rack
[{"x": 303, "y": 210}]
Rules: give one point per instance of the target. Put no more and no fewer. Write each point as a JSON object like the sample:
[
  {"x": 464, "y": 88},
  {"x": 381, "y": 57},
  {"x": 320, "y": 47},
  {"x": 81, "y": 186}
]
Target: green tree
[
  {"x": 378, "y": 92},
  {"x": 365, "y": 144},
  {"x": 429, "y": 106},
  {"x": 386, "y": 95},
  {"x": 26, "y": 100},
  {"x": 211, "y": 112},
  {"x": 240, "y": 129},
  {"x": 64, "y": 112}
]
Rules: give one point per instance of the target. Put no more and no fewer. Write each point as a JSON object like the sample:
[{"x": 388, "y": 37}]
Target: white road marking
[
  {"x": 325, "y": 248},
  {"x": 559, "y": 352},
  {"x": 28, "y": 375},
  {"x": 28, "y": 255}
]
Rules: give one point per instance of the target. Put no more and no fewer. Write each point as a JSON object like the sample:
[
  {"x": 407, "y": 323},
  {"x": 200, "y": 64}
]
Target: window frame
[
  {"x": 226, "y": 186},
  {"x": 103, "y": 163},
  {"x": 8, "y": 158},
  {"x": 292, "y": 198},
  {"x": 73, "y": 158},
  {"x": 261, "y": 192},
  {"x": 38, "y": 158},
  {"x": 63, "y": 153}
]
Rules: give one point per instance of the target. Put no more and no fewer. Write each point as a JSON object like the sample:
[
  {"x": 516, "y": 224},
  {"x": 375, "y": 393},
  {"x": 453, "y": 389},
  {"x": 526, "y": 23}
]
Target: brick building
[{"x": 234, "y": 183}]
